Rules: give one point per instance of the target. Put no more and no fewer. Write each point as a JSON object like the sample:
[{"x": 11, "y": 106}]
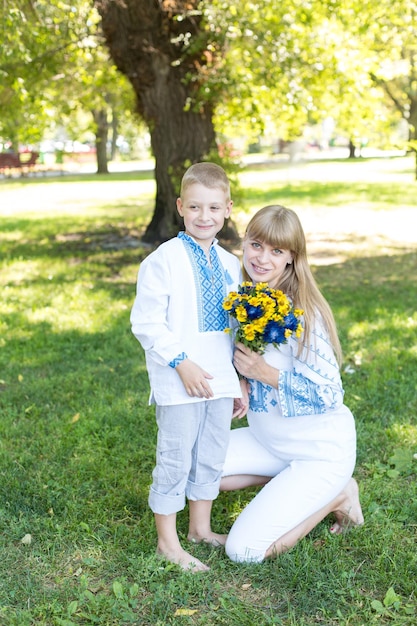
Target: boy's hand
[{"x": 194, "y": 379}]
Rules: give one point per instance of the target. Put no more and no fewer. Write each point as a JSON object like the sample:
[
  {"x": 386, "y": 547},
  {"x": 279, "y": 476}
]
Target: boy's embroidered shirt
[{"x": 171, "y": 318}]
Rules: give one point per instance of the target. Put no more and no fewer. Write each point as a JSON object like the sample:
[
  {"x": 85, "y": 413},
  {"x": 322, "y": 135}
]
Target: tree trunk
[
  {"x": 412, "y": 125},
  {"x": 114, "y": 133},
  {"x": 178, "y": 138},
  {"x": 352, "y": 149},
  {"x": 150, "y": 42},
  {"x": 102, "y": 129}
]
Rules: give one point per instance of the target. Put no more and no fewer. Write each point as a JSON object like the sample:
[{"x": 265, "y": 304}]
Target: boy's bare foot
[
  {"x": 212, "y": 539},
  {"x": 349, "y": 512},
  {"x": 186, "y": 561}
]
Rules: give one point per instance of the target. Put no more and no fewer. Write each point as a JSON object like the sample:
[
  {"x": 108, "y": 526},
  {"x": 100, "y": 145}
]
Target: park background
[{"x": 77, "y": 435}]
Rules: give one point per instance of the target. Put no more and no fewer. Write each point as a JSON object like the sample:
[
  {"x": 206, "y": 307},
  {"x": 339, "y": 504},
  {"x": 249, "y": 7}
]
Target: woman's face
[{"x": 263, "y": 263}]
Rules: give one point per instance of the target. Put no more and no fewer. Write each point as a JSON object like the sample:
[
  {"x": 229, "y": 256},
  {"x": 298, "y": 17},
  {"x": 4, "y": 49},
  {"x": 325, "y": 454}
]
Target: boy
[{"x": 178, "y": 318}]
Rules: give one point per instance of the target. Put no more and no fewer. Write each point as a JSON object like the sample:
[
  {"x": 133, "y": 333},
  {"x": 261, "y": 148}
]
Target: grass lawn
[{"x": 77, "y": 437}]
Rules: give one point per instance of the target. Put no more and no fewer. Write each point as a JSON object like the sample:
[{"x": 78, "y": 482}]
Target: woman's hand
[
  {"x": 253, "y": 365},
  {"x": 241, "y": 405}
]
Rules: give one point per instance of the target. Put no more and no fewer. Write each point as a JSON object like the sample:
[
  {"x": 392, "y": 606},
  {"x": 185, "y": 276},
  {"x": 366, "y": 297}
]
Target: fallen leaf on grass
[
  {"x": 180, "y": 612},
  {"x": 246, "y": 586},
  {"x": 75, "y": 418},
  {"x": 26, "y": 540}
]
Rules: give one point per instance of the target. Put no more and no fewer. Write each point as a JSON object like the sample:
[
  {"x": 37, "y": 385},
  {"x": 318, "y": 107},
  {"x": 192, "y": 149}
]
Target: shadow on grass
[
  {"x": 122, "y": 243},
  {"x": 71, "y": 400},
  {"x": 372, "y": 285}
]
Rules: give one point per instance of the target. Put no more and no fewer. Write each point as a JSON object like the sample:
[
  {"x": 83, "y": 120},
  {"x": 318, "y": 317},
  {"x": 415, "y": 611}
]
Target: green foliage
[
  {"x": 52, "y": 65},
  {"x": 77, "y": 541},
  {"x": 37, "y": 39},
  {"x": 294, "y": 63},
  {"x": 265, "y": 67}
]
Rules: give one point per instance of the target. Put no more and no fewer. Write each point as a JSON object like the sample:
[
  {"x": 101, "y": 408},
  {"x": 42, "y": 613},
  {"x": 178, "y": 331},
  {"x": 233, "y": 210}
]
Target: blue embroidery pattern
[
  {"x": 178, "y": 359},
  {"x": 299, "y": 396},
  {"x": 210, "y": 285},
  {"x": 324, "y": 356},
  {"x": 258, "y": 396},
  {"x": 228, "y": 278}
]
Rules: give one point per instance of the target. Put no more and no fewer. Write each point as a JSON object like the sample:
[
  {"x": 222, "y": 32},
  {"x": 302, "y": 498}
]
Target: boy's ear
[
  {"x": 179, "y": 207},
  {"x": 229, "y": 208}
]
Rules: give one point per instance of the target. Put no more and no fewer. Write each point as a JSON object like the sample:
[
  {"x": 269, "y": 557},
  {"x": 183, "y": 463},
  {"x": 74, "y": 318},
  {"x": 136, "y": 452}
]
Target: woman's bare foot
[
  {"x": 349, "y": 511},
  {"x": 186, "y": 561},
  {"x": 212, "y": 539}
]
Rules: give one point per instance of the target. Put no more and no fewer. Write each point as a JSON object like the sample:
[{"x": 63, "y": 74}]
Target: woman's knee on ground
[{"x": 239, "y": 551}]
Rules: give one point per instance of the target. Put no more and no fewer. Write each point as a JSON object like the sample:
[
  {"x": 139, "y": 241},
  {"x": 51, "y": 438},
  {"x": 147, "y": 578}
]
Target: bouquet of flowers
[{"x": 264, "y": 315}]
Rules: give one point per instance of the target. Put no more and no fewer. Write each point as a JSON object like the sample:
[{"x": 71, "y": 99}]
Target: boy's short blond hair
[{"x": 208, "y": 174}]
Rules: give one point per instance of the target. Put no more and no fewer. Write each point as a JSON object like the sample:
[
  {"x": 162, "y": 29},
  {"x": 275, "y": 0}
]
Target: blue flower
[
  {"x": 274, "y": 333},
  {"x": 254, "y": 312},
  {"x": 291, "y": 321}
]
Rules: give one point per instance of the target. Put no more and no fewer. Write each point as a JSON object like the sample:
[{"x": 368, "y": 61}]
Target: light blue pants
[{"x": 191, "y": 448}]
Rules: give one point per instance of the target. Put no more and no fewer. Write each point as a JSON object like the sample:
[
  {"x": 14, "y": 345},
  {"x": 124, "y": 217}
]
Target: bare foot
[
  {"x": 186, "y": 561},
  {"x": 212, "y": 539},
  {"x": 349, "y": 512}
]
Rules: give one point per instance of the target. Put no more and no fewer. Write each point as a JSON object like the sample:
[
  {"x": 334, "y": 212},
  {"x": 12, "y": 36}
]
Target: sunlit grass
[{"x": 328, "y": 184}]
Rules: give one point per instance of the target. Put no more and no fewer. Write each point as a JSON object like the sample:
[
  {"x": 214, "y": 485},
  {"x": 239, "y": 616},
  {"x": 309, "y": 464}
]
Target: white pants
[{"x": 309, "y": 470}]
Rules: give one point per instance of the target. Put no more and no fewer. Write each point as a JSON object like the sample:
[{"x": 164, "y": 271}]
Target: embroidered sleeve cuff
[
  {"x": 300, "y": 396},
  {"x": 178, "y": 359}
]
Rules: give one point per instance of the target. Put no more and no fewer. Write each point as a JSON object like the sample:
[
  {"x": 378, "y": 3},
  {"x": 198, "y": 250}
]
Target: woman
[{"x": 301, "y": 439}]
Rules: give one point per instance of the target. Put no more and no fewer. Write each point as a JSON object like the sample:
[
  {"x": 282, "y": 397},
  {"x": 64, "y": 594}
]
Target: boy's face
[{"x": 204, "y": 210}]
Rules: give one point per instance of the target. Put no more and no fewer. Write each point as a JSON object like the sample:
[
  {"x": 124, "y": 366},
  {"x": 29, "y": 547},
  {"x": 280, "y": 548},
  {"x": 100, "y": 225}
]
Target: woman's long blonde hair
[{"x": 281, "y": 228}]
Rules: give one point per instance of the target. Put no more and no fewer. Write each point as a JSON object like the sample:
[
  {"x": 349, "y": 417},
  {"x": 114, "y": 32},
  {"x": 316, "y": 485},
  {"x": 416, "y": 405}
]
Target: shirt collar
[{"x": 192, "y": 241}]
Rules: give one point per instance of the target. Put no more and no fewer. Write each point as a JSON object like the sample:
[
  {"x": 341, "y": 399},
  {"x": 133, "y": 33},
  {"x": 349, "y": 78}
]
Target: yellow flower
[
  {"x": 260, "y": 324},
  {"x": 249, "y": 332},
  {"x": 241, "y": 314}
]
